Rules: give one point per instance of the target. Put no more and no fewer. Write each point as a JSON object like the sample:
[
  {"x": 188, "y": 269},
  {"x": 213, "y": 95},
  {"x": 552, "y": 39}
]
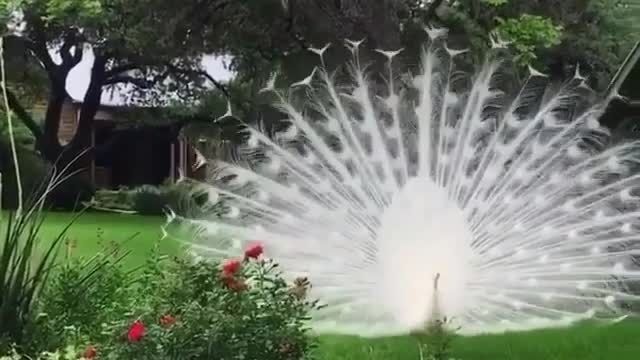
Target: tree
[
  {"x": 276, "y": 35},
  {"x": 147, "y": 45},
  {"x": 552, "y": 35},
  {"x": 154, "y": 46}
]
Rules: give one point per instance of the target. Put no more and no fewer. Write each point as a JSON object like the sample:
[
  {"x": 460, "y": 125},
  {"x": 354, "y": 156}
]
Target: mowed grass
[
  {"x": 92, "y": 232},
  {"x": 587, "y": 341}
]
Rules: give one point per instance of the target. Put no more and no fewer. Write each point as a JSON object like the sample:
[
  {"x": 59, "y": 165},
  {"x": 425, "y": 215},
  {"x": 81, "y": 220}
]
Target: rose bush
[{"x": 177, "y": 308}]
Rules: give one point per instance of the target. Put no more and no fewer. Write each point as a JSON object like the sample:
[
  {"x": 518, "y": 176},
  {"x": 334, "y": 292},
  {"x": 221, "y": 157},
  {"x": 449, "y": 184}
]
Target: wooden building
[{"x": 137, "y": 152}]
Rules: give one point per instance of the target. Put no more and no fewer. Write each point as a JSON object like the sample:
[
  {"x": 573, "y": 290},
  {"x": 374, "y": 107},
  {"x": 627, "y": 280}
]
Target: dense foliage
[
  {"x": 152, "y": 48},
  {"x": 171, "y": 309}
]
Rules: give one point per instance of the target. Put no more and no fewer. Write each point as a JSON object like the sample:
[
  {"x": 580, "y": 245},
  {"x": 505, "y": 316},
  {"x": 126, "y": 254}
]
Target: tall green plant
[
  {"x": 25, "y": 260},
  {"x": 22, "y": 271},
  {"x": 12, "y": 140},
  {"x": 24, "y": 266}
]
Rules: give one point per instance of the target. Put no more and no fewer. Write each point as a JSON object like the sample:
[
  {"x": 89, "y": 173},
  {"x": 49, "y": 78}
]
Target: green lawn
[
  {"x": 94, "y": 230},
  {"x": 581, "y": 342}
]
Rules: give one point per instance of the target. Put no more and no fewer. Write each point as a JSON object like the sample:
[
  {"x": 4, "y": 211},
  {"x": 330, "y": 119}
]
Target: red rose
[
  {"x": 136, "y": 332},
  {"x": 167, "y": 320},
  {"x": 90, "y": 353},
  {"x": 254, "y": 250},
  {"x": 230, "y": 267}
]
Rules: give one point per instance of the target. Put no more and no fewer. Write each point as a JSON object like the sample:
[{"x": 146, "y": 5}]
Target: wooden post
[
  {"x": 172, "y": 161},
  {"x": 182, "y": 158}
]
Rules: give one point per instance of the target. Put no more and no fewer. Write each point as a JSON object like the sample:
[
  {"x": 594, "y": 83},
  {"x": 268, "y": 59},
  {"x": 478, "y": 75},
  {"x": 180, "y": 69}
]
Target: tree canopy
[
  {"x": 550, "y": 34},
  {"x": 148, "y": 45},
  {"x": 554, "y": 36},
  {"x": 154, "y": 47}
]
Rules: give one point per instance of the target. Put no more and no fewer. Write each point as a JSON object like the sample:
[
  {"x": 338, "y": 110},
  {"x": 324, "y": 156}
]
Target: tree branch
[
  {"x": 140, "y": 82},
  {"x": 116, "y": 76},
  {"x": 22, "y": 113},
  {"x": 71, "y": 40},
  {"x": 216, "y": 83},
  {"x": 128, "y": 79},
  {"x": 116, "y": 70},
  {"x": 78, "y": 53},
  {"x": 38, "y": 45},
  {"x": 67, "y": 44},
  {"x": 40, "y": 51}
]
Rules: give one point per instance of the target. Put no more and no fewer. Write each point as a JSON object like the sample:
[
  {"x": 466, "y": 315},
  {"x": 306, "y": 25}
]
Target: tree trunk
[
  {"x": 91, "y": 102},
  {"x": 49, "y": 146},
  {"x": 76, "y": 155},
  {"x": 79, "y": 152},
  {"x": 24, "y": 116}
]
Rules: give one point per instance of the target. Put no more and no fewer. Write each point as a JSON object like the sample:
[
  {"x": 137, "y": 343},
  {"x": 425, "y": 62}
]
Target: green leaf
[{"x": 528, "y": 33}]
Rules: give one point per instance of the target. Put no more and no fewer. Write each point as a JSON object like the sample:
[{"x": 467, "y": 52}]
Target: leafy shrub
[
  {"x": 82, "y": 295},
  {"x": 197, "y": 314},
  {"x": 23, "y": 271},
  {"x": 529, "y": 32},
  {"x": 151, "y": 200},
  {"x": 434, "y": 340},
  {"x": 177, "y": 309},
  {"x": 68, "y": 353},
  {"x": 183, "y": 198},
  {"x": 435, "y": 343}
]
